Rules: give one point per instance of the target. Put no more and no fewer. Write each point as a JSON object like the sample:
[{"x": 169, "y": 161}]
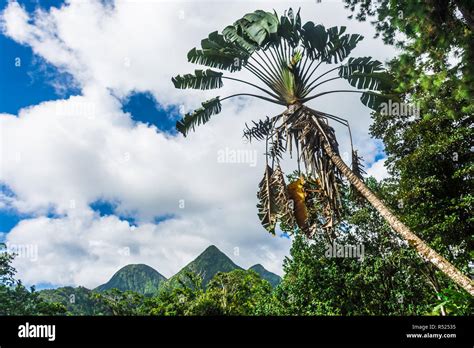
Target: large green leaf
[
  {"x": 360, "y": 65},
  {"x": 202, "y": 79},
  {"x": 199, "y": 116},
  {"x": 260, "y": 25},
  {"x": 368, "y": 74},
  {"x": 215, "y": 59},
  {"x": 290, "y": 27},
  {"x": 374, "y": 100},
  {"x": 330, "y": 45},
  {"x": 339, "y": 46},
  {"x": 215, "y": 41},
  {"x": 252, "y": 31},
  {"x": 314, "y": 39},
  {"x": 218, "y": 53},
  {"x": 365, "y": 73},
  {"x": 372, "y": 81},
  {"x": 234, "y": 33}
]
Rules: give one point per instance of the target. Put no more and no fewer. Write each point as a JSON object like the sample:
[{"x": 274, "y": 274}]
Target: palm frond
[
  {"x": 364, "y": 73},
  {"x": 314, "y": 39},
  {"x": 360, "y": 65},
  {"x": 216, "y": 52},
  {"x": 339, "y": 46},
  {"x": 368, "y": 74},
  {"x": 235, "y": 34},
  {"x": 259, "y": 131},
  {"x": 277, "y": 145},
  {"x": 199, "y": 116},
  {"x": 215, "y": 59},
  {"x": 289, "y": 28},
  {"x": 374, "y": 100},
  {"x": 282, "y": 199},
  {"x": 267, "y": 206},
  {"x": 259, "y": 25},
  {"x": 202, "y": 79}
]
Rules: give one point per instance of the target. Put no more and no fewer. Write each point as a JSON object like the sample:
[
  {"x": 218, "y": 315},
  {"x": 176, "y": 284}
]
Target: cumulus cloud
[
  {"x": 60, "y": 156},
  {"x": 89, "y": 250},
  {"x": 378, "y": 170},
  {"x": 79, "y": 151}
]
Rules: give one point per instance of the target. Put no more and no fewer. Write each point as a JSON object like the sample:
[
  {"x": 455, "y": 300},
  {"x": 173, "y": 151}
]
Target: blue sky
[
  {"x": 27, "y": 79},
  {"x": 23, "y": 75},
  {"x": 23, "y": 82}
]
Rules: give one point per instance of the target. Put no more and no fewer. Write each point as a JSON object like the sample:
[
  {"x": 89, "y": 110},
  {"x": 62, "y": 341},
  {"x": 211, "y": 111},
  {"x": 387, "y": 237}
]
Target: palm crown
[{"x": 284, "y": 56}]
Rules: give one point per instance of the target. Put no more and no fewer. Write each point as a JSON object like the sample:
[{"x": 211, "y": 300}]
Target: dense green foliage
[
  {"x": 211, "y": 284},
  {"x": 78, "y": 301},
  {"x": 238, "y": 292},
  {"x": 430, "y": 155},
  {"x": 15, "y": 298},
  {"x": 272, "y": 278},
  {"x": 390, "y": 279}
]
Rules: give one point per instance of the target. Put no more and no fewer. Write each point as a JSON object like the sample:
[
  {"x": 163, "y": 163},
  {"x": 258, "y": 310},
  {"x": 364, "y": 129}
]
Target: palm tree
[{"x": 284, "y": 55}]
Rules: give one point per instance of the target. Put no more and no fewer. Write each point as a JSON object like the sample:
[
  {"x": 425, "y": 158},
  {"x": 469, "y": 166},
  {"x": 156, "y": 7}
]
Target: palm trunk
[{"x": 421, "y": 247}]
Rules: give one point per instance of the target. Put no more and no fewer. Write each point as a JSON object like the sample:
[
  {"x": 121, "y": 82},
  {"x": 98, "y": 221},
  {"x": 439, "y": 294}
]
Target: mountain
[
  {"x": 78, "y": 301},
  {"x": 207, "y": 264},
  {"x": 139, "y": 278},
  {"x": 145, "y": 280},
  {"x": 272, "y": 278}
]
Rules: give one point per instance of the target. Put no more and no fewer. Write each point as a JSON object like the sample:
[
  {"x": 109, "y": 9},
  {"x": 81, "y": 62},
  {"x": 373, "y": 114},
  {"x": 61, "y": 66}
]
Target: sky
[{"x": 93, "y": 175}]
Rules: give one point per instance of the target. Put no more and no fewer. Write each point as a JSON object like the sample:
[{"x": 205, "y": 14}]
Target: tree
[
  {"x": 238, "y": 292},
  {"x": 283, "y": 54},
  {"x": 316, "y": 283},
  {"x": 430, "y": 157},
  {"x": 15, "y": 298},
  {"x": 437, "y": 30},
  {"x": 123, "y": 303}
]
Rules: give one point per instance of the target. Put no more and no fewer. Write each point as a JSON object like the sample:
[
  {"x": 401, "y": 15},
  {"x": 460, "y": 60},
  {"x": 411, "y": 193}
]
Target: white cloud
[
  {"x": 88, "y": 251},
  {"x": 65, "y": 154},
  {"x": 75, "y": 156},
  {"x": 378, "y": 170}
]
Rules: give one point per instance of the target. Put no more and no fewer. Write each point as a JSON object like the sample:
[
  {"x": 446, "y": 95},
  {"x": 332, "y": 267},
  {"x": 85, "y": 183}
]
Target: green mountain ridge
[
  {"x": 207, "y": 264},
  {"x": 147, "y": 281},
  {"x": 271, "y": 277},
  {"x": 140, "y": 278}
]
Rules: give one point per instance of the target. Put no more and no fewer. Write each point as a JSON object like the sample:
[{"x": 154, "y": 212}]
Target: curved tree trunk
[{"x": 421, "y": 247}]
